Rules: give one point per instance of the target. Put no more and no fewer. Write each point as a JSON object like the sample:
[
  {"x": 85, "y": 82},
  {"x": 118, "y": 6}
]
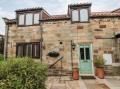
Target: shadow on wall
[{"x": 1, "y": 44}]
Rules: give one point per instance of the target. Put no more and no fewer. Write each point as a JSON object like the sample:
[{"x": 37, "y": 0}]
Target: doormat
[{"x": 88, "y": 77}]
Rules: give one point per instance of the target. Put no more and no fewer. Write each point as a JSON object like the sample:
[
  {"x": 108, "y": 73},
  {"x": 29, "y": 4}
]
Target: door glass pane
[
  {"x": 87, "y": 51},
  {"x": 82, "y": 53}
]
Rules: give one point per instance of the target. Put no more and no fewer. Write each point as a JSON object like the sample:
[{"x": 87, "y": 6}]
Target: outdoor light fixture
[{"x": 73, "y": 46}]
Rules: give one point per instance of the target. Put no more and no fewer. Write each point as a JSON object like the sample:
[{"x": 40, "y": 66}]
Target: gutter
[{"x": 6, "y": 38}]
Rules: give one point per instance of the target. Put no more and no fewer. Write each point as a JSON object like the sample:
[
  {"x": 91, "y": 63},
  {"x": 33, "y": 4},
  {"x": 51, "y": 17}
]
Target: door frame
[{"x": 91, "y": 50}]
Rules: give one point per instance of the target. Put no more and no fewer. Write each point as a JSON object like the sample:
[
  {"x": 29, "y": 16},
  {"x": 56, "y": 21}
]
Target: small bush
[
  {"x": 1, "y": 57},
  {"x": 22, "y": 73}
]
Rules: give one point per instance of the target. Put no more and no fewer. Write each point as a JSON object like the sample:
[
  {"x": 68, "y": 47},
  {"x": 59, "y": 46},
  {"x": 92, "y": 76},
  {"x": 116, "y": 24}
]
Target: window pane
[
  {"x": 29, "y": 50},
  {"x": 75, "y": 16},
  {"x": 21, "y": 20},
  {"x": 36, "y": 50},
  {"x": 20, "y": 51},
  {"x": 87, "y": 51},
  {"x": 36, "y": 18},
  {"x": 29, "y": 19},
  {"x": 82, "y": 53},
  {"x": 84, "y": 15}
]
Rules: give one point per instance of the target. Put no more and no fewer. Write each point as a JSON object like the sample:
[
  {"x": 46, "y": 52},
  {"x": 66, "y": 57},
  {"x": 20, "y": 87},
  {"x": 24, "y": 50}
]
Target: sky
[{"x": 8, "y": 7}]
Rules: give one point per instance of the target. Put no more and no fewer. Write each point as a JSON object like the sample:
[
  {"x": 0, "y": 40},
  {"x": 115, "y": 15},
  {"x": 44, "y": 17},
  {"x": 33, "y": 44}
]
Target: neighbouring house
[
  {"x": 1, "y": 44},
  {"x": 79, "y": 36}
]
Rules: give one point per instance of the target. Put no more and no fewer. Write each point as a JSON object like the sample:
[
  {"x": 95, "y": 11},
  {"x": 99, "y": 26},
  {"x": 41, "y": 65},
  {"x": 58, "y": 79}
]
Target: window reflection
[
  {"x": 75, "y": 16},
  {"x": 83, "y": 15},
  {"x": 29, "y": 19}
]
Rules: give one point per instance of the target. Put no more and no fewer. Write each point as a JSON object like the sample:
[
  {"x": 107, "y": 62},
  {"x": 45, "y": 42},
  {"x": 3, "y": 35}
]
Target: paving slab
[
  {"x": 64, "y": 83},
  {"x": 114, "y": 82},
  {"x": 93, "y": 84},
  {"x": 67, "y": 83}
]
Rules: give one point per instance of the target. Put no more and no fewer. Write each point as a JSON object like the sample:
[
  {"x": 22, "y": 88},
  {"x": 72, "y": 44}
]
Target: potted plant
[
  {"x": 99, "y": 64},
  {"x": 53, "y": 54}
]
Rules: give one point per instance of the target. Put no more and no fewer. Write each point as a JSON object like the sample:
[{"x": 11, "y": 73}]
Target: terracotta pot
[
  {"x": 100, "y": 72},
  {"x": 75, "y": 73}
]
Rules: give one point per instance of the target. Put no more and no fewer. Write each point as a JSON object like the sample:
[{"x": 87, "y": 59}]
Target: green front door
[{"x": 85, "y": 65}]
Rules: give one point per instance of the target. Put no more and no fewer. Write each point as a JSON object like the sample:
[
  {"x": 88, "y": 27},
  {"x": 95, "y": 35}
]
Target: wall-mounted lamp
[{"x": 73, "y": 46}]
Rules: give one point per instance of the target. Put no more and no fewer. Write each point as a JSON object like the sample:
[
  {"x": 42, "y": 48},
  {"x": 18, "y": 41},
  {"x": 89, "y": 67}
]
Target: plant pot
[
  {"x": 100, "y": 72},
  {"x": 75, "y": 73}
]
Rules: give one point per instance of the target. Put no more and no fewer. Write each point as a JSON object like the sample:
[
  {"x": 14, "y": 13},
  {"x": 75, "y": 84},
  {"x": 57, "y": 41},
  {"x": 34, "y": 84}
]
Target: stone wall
[{"x": 64, "y": 31}]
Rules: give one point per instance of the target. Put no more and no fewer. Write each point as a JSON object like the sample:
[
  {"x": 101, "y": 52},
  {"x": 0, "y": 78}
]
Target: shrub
[
  {"x": 22, "y": 73},
  {"x": 1, "y": 57}
]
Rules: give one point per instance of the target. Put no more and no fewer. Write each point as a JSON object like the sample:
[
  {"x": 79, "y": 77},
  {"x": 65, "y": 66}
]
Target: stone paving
[
  {"x": 67, "y": 83},
  {"x": 93, "y": 84},
  {"x": 114, "y": 82},
  {"x": 62, "y": 83}
]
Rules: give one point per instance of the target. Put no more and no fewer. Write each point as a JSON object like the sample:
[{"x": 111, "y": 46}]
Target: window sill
[
  {"x": 80, "y": 22},
  {"x": 27, "y": 25}
]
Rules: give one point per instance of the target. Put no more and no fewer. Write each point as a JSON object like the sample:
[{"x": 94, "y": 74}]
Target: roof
[
  {"x": 57, "y": 17},
  {"x": 1, "y": 35},
  {"x": 66, "y": 17},
  {"x": 104, "y": 14},
  {"x": 29, "y": 9},
  {"x": 116, "y": 10},
  {"x": 10, "y": 21},
  {"x": 114, "y": 13},
  {"x": 80, "y": 4}
]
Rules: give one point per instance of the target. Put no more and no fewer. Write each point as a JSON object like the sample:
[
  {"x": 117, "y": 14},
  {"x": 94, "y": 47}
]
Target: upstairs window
[
  {"x": 36, "y": 18},
  {"x": 84, "y": 15},
  {"x": 80, "y": 15},
  {"x": 75, "y": 16},
  {"x": 29, "y": 19},
  {"x": 21, "y": 20}
]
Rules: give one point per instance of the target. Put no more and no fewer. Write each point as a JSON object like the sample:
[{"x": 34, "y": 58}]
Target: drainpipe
[
  {"x": 71, "y": 58},
  {"x": 41, "y": 40},
  {"x": 6, "y": 38}
]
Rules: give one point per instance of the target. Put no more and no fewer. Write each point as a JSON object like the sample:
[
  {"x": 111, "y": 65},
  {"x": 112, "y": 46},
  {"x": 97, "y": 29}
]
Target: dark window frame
[
  {"x": 24, "y": 45},
  {"x": 88, "y": 9},
  {"x": 24, "y": 13}
]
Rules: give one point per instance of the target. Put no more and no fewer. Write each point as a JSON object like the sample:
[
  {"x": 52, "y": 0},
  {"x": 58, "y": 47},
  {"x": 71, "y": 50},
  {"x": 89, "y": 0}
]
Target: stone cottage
[{"x": 79, "y": 36}]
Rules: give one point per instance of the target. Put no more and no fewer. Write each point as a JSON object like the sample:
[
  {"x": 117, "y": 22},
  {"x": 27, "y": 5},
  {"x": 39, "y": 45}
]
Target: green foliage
[
  {"x": 1, "y": 57},
  {"x": 22, "y": 73},
  {"x": 99, "y": 62}
]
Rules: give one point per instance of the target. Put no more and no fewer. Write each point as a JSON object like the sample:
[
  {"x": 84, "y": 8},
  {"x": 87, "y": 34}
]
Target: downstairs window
[{"x": 28, "y": 50}]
